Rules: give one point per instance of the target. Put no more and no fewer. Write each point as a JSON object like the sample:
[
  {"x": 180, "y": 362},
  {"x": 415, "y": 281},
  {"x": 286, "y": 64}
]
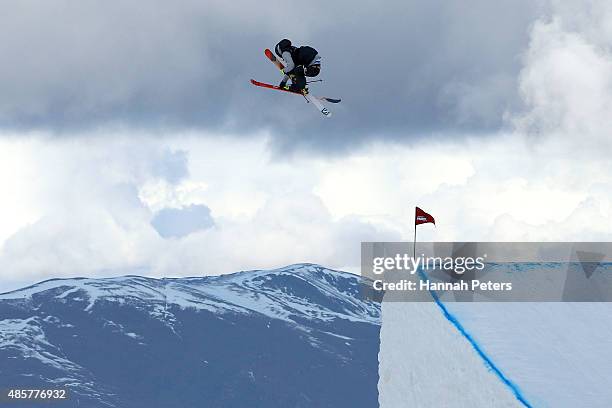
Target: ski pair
[
  {"x": 316, "y": 101},
  {"x": 278, "y": 88}
]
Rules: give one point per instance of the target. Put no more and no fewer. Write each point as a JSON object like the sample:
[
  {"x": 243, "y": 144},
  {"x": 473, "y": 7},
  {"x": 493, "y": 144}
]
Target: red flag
[{"x": 421, "y": 217}]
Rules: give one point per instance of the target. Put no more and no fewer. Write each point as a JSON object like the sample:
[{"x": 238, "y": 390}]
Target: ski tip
[
  {"x": 333, "y": 100},
  {"x": 326, "y": 112},
  {"x": 257, "y": 83}
]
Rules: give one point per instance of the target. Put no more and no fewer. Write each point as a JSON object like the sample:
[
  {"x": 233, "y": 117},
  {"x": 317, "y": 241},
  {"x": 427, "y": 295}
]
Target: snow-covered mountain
[{"x": 299, "y": 336}]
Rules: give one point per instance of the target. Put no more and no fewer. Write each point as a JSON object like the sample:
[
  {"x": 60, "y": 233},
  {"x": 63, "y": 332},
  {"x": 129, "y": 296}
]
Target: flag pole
[
  {"x": 414, "y": 245},
  {"x": 420, "y": 217}
]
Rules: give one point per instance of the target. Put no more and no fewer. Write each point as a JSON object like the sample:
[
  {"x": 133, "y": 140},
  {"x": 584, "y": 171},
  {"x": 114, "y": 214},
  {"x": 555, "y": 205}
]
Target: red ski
[
  {"x": 278, "y": 88},
  {"x": 277, "y": 61}
]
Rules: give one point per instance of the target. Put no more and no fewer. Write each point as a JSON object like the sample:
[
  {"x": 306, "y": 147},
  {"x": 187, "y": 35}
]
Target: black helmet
[{"x": 282, "y": 46}]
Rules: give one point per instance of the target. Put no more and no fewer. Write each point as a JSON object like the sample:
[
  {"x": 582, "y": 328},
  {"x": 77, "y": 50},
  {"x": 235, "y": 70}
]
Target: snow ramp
[
  {"x": 425, "y": 361},
  {"x": 455, "y": 354}
]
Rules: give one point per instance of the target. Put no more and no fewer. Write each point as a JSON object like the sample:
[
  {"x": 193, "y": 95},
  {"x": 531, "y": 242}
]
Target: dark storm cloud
[{"x": 403, "y": 69}]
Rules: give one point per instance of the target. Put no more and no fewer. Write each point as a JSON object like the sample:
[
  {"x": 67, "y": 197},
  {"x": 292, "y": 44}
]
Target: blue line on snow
[{"x": 513, "y": 387}]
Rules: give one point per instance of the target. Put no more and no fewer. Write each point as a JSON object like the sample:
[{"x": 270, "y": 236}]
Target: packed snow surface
[{"x": 553, "y": 354}]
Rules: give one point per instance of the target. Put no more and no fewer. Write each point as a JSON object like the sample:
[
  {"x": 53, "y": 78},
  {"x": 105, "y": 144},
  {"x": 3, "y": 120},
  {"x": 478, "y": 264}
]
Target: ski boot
[{"x": 295, "y": 88}]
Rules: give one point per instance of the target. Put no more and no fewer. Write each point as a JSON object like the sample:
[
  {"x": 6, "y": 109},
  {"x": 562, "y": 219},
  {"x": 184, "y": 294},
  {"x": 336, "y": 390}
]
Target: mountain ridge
[{"x": 304, "y": 335}]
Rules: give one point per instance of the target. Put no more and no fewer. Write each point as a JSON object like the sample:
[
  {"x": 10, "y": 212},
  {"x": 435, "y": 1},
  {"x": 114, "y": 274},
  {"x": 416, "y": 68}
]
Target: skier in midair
[{"x": 301, "y": 62}]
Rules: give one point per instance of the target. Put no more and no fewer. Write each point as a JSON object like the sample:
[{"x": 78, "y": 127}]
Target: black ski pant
[{"x": 298, "y": 79}]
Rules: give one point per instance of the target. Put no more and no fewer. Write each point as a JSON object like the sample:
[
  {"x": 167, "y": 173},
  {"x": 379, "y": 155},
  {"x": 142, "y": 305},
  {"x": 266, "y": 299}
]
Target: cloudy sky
[{"x": 132, "y": 142}]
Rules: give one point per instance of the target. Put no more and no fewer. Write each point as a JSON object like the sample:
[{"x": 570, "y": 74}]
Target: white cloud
[
  {"x": 97, "y": 199},
  {"x": 17, "y": 181},
  {"x": 84, "y": 205},
  {"x": 384, "y": 179},
  {"x": 96, "y": 202},
  {"x": 566, "y": 81}
]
